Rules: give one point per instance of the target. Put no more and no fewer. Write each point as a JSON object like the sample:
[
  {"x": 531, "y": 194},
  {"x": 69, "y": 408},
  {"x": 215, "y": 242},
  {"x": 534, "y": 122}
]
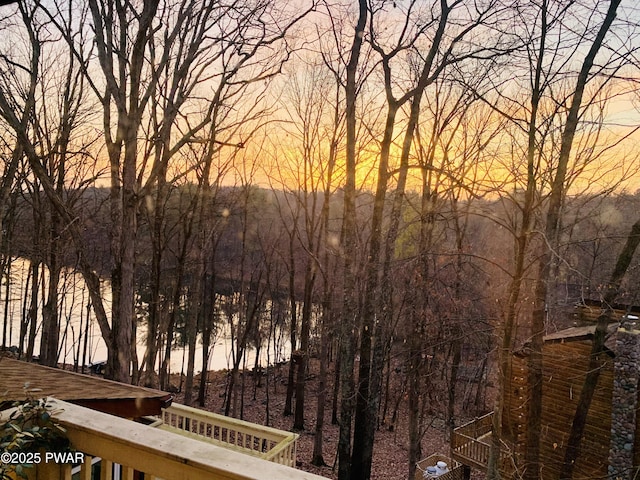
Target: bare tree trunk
[
  {"x": 33, "y": 309},
  {"x": 6, "y": 274},
  {"x": 50, "y": 321},
  {"x": 5, "y": 190},
  {"x": 201, "y": 309},
  {"x": 153, "y": 333},
  {"x": 164, "y": 380},
  {"x": 293, "y": 328},
  {"x": 336, "y": 388},
  {"x": 456, "y": 346},
  {"x": 310, "y": 275},
  {"x": 521, "y": 247},
  {"x": 372, "y": 356},
  {"x": 368, "y": 378},
  {"x": 130, "y": 102},
  {"x": 192, "y": 334},
  {"x": 326, "y": 322},
  {"x": 22, "y": 118},
  {"x": 414, "y": 375},
  {"x": 350, "y": 308},
  {"x": 208, "y": 318},
  {"x": 317, "y": 457}
]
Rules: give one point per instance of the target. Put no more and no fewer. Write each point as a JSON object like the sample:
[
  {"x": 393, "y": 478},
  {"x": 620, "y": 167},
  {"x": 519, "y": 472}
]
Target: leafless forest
[{"x": 404, "y": 191}]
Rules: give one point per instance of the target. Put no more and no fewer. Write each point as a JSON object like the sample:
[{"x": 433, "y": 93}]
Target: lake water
[{"x": 73, "y": 300}]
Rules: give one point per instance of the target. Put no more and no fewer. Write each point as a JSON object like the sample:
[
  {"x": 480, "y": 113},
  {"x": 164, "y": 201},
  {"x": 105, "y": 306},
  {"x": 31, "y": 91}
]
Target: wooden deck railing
[
  {"x": 268, "y": 443},
  {"x": 124, "y": 447},
  {"x": 470, "y": 443}
]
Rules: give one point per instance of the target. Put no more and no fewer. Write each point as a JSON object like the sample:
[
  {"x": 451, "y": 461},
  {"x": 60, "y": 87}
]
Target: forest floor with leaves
[{"x": 390, "y": 456}]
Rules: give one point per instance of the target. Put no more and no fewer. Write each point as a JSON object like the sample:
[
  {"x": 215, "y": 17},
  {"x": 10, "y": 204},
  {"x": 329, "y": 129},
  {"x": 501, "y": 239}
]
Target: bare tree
[
  {"x": 150, "y": 50},
  {"x": 21, "y": 99},
  {"x": 45, "y": 139},
  {"x": 552, "y": 227},
  {"x": 548, "y": 174},
  {"x": 349, "y": 312},
  {"x": 305, "y": 169},
  {"x": 446, "y": 32}
]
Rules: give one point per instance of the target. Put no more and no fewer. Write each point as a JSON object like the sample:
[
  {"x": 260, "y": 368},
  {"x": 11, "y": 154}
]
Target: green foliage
[{"x": 30, "y": 429}]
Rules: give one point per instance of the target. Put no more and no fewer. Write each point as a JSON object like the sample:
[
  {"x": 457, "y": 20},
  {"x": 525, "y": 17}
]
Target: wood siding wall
[{"x": 565, "y": 366}]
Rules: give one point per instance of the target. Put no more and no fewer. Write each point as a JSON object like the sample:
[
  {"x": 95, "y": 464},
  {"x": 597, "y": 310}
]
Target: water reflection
[{"x": 80, "y": 338}]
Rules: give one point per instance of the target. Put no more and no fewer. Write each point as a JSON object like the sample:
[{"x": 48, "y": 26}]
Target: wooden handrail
[
  {"x": 478, "y": 427},
  {"x": 230, "y": 422},
  {"x": 156, "y": 453},
  {"x": 266, "y": 442},
  {"x": 284, "y": 452},
  {"x": 470, "y": 442}
]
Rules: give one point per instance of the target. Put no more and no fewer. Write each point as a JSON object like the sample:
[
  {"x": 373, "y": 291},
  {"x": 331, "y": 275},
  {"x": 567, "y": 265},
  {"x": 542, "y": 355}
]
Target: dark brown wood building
[{"x": 565, "y": 365}]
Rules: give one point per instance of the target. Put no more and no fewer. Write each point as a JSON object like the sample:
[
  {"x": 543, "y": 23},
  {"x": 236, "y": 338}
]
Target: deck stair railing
[
  {"x": 114, "y": 447},
  {"x": 264, "y": 442},
  {"x": 471, "y": 442}
]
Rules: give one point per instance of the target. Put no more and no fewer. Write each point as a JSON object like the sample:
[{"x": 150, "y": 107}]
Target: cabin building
[{"x": 609, "y": 447}]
